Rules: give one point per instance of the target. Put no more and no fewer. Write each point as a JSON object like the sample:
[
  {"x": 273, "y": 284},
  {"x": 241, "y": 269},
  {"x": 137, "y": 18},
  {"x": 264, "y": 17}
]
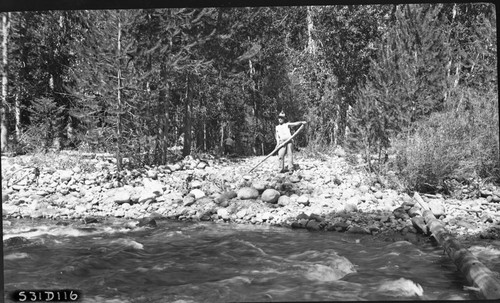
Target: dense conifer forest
[{"x": 412, "y": 87}]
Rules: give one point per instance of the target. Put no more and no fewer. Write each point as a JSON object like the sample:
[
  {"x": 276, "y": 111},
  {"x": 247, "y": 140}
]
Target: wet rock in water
[
  {"x": 316, "y": 217},
  {"x": 437, "y": 207},
  {"x": 270, "y": 196},
  {"x": 283, "y": 200},
  {"x": 302, "y": 216},
  {"x": 90, "y": 219},
  {"x": 340, "y": 226},
  {"x": 358, "y": 230},
  {"x": 15, "y": 241},
  {"x": 313, "y": 225},
  {"x": 419, "y": 224},
  {"x": 148, "y": 222},
  {"x": 247, "y": 193}
]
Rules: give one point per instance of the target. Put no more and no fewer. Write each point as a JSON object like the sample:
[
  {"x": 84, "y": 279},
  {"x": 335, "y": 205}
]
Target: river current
[{"x": 114, "y": 261}]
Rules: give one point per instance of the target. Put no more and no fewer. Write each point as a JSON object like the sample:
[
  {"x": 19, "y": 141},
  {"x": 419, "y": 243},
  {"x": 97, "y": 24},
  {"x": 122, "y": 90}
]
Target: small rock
[
  {"x": 350, "y": 207},
  {"x": 313, "y": 225},
  {"x": 188, "y": 200},
  {"x": 241, "y": 214},
  {"x": 196, "y": 184},
  {"x": 202, "y": 165},
  {"x": 153, "y": 174},
  {"x": 295, "y": 178},
  {"x": 89, "y": 220},
  {"x": 15, "y": 241},
  {"x": 65, "y": 175},
  {"x": 400, "y": 213},
  {"x": 225, "y": 196},
  {"x": 303, "y": 199},
  {"x": 378, "y": 195},
  {"x": 437, "y": 207},
  {"x": 270, "y": 196},
  {"x": 283, "y": 200},
  {"x": 197, "y": 193},
  {"x": 148, "y": 222},
  {"x": 364, "y": 189},
  {"x": 223, "y": 213},
  {"x": 302, "y": 216},
  {"x": 247, "y": 193},
  {"x": 316, "y": 217},
  {"x": 259, "y": 185},
  {"x": 121, "y": 197},
  {"x": 358, "y": 230},
  {"x": 340, "y": 226}
]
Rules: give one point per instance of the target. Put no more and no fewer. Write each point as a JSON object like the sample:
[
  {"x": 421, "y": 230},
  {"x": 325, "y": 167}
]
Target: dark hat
[{"x": 282, "y": 115}]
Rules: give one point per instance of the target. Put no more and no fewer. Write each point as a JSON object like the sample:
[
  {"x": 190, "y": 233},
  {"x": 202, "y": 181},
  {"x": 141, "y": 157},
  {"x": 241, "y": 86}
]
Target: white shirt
[{"x": 283, "y": 132}]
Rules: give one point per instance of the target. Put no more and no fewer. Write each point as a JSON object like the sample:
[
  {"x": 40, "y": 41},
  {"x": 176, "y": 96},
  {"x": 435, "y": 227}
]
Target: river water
[{"x": 205, "y": 262}]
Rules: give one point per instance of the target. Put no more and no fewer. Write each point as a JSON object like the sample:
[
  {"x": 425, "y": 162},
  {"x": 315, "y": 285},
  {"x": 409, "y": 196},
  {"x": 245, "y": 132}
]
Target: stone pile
[{"x": 325, "y": 194}]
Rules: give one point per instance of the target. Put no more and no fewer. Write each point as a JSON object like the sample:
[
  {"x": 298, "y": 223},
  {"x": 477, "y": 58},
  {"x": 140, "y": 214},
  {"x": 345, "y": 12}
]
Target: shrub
[{"x": 460, "y": 143}]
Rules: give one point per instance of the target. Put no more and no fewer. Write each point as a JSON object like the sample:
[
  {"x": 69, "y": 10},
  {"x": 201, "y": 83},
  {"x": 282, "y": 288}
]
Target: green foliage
[
  {"x": 133, "y": 81},
  {"x": 45, "y": 114},
  {"x": 459, "y": 143}
]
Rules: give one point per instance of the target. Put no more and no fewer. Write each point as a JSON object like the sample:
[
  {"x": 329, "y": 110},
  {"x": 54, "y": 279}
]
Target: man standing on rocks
[{"x": 283, "y": 134}]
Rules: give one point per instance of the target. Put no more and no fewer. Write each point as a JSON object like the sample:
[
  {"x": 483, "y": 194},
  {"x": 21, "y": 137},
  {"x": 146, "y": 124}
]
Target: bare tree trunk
[
  {"x": 119, "y": 99},
  {"x": 187, "y": 120},
  {"x": 17, "y": 116},
  {"x": 311, "y": 44},
  {"x": 475, "y": 271},
  {"x": 4, "y": 115}
]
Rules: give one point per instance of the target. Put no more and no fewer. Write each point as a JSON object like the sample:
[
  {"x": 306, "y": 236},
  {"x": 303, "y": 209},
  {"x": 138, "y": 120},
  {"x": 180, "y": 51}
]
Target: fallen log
[
  {"x": 278, "y": 147},
  {"x": 476, "y": 272}
]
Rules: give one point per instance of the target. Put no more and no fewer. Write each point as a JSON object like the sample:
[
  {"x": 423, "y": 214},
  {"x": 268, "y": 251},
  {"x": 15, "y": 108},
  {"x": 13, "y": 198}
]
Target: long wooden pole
[
  {"x": 475, "y": 271},
  {"x": 278, "y": 147}
]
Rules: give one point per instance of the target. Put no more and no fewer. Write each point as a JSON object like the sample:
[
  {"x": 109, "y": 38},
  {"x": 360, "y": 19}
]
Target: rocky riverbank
[{"x": 323, "y": 194}]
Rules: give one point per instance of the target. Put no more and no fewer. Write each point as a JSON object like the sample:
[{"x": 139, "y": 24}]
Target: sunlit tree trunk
[
  {"x": 4, "y": 115},
  {"x": 118, "y": 98},
  {"x": 311, "y": 43}
]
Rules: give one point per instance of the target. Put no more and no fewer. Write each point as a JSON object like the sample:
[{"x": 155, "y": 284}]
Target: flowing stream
[{"x": 205, "y": 262}]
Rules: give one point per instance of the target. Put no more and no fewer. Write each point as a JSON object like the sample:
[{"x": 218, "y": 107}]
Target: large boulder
[
  {"x": 270, "y": 196},
  {"x": 247, "y": 193}
]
